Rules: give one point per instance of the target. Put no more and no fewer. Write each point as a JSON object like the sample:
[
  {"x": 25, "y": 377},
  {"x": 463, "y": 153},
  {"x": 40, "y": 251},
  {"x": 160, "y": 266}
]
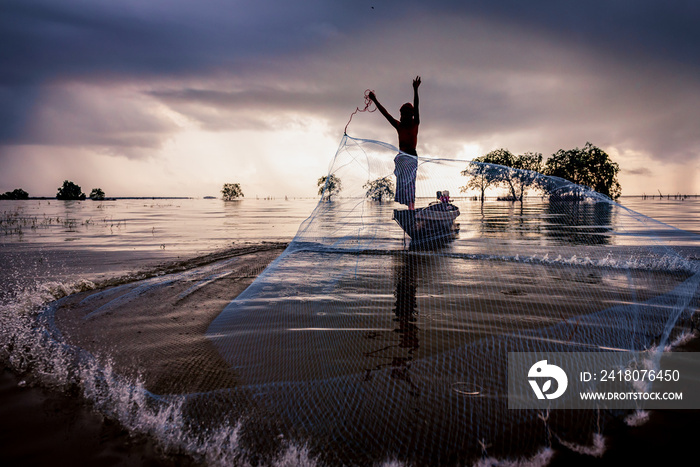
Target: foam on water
[
  {"x": 539, "y": 459},
  {"x": 33, "y": 347}
]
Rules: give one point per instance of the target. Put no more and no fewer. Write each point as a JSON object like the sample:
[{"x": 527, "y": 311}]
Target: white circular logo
[{"x": 552, "y": 372}]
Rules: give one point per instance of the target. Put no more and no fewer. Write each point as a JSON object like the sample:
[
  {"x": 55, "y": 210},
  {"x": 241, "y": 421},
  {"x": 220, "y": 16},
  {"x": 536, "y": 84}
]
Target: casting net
[
  {"x": 368, "y": 344},
  {"x": 358, "y": 340}
]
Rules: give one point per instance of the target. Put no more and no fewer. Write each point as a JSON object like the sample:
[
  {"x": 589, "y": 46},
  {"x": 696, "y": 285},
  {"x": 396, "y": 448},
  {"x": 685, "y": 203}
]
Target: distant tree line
[
  {"x": 589, "y": 166},
  {"x": 15, "y": 194},
  {"x": 68, "y": 191},
  {"x": 71, "y": 191}
]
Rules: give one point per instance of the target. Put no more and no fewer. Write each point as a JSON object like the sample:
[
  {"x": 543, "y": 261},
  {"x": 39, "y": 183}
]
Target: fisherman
[{"x": 406, "y": 162}]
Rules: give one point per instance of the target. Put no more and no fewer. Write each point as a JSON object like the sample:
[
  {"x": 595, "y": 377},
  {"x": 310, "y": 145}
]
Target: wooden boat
[{"x": 429, "y": 227}]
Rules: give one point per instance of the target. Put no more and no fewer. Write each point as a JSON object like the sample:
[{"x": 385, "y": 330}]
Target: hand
[{"x": 416, "y": 82}]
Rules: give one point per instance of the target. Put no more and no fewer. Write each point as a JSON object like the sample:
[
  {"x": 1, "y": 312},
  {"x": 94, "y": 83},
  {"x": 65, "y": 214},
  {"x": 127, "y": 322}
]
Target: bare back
[{"x": 408, "y": 137}]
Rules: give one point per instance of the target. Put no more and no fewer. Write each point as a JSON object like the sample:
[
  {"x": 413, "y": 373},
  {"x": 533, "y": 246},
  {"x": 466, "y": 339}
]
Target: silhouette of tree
[
  {"x": 232, "y": 191},
  {"x": 17, "y": 193},
  {"x": 69, "y": 191},
  {"x": 528, "y": 168},
  {"x": 97, "y": 194},
  {"x": 328, "y": 186},
  {"x": 480, "y": 177},
  {"x": 379, "y": 189},
  {"x": 501, "y": 167},
  {"x": 590, "y": 167}
]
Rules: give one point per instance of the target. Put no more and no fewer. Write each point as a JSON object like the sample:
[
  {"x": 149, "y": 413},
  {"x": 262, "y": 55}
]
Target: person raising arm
[
  {"x": 407, "y": 126},
  {"x": 406, "y": 162}
]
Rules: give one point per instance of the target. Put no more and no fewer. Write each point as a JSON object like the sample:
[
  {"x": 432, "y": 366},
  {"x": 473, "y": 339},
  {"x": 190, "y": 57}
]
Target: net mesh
[{"x": 367, "y": 342}]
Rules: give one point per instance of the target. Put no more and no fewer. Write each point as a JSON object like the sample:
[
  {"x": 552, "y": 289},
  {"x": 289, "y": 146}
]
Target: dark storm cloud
[
  {"x": 618, "y": 72},
  {"x": 483, "y": 81},
  {"x": 648, "y": 29},
  {"x": 41, "y": 40},
  {"x": 45, "y": 42}
]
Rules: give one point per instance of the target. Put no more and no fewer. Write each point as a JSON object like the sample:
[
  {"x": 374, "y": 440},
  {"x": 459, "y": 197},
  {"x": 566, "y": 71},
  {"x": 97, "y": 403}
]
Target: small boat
[{"x": 431, "y": 226}]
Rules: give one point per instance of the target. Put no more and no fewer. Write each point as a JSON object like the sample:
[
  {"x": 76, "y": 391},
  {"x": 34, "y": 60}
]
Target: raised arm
[
  {"x": 416, "y": 83},
  {"x": 383, "y": 111}
]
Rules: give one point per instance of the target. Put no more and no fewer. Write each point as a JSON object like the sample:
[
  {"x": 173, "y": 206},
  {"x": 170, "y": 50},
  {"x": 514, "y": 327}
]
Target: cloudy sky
[{"x": 170, "y": 97}]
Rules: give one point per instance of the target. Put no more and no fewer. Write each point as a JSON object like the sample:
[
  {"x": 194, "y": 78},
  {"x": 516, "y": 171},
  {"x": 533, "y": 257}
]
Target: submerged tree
[
  {"x": 528, "y": 168},
  {"x": 479, "y": 178},
  {"x": 69, "y": 191},
  {"x": 17, "y": 193},
  {"x": 379, "y": 189},
  {"x": 232, "y": 191},
  {"x": 501, "y": 167},
  {"x": 97, "y": 194},
  {"x": 590, "y": 167},
  {"x": 328, "y": 186}
]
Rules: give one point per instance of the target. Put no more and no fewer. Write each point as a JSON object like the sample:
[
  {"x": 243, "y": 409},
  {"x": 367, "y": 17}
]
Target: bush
[
  {"x": 232, "y": 191},
  {"x": 328, "y": 186},
  {"x": 379, "y": 189},
  {"x": 70, "y": 190},
  {"x": 589, "y": 166},
  {"x": 15, "y": 194},
  {"x": 97, "y": 194}
]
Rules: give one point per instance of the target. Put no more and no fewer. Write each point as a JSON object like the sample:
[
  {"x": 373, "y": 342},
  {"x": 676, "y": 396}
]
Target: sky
[{"x": 176, "y": 98}]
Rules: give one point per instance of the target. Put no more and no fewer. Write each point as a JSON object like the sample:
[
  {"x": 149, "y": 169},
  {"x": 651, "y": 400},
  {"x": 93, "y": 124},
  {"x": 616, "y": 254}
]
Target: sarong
[{"x": 405, "y": 168}]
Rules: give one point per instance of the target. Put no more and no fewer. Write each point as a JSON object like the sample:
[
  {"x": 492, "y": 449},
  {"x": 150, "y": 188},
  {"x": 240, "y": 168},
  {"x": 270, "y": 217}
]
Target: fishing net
[{"x": 368, "y": 343}]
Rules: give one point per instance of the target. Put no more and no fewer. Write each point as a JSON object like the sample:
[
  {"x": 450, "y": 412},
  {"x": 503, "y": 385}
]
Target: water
[
  {"x": 67, "y": 240},
  {"x": 381, "y": 338},
  {"x": 48, "y": 249},
  {"x": 186, "y": 226},
  {"x": 168, "y": 229}
]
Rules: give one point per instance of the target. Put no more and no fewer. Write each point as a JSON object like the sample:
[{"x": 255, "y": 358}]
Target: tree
[
  {"x": 380, "y": 188},
  {"x": 97, "y": 194},
  {"x": 232, "y": 191},
  {"x": 70, "y": 190},
  {"x": 503, "y": 175},
  {"x": 328, "y": 186},
  {"x": 480, "y": 177},
  {"x": 17, "y": 193},
  {"x": 590, "y": 167},
  {"x": 501, "y": 167},
  {"x": 488, "y": 170},
  {"x": 528, "y": 168}
]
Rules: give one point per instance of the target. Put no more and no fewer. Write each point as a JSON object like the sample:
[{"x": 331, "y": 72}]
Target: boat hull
[{"x": 428, "y": 229}]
